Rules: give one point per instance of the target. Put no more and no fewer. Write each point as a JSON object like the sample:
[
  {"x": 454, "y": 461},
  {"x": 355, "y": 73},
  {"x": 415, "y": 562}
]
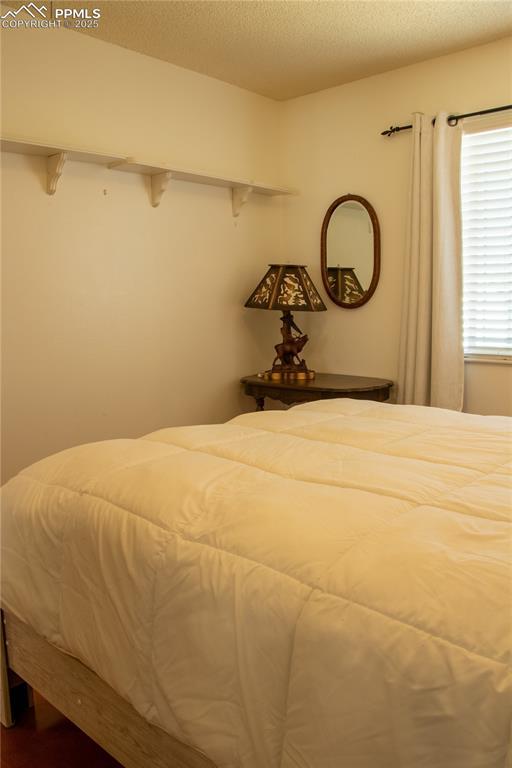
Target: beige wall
[
  {"x": 333, "y": 148},
  {"x": 62, "y": 85},
  {"x": 488, "y": 388},
  {"x": 119, "y": 318}
]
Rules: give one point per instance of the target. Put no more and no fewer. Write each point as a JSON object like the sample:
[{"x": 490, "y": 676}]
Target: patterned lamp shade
[
  {"x": 286, "y": 287},
  {"x": 344, "y": 284}
]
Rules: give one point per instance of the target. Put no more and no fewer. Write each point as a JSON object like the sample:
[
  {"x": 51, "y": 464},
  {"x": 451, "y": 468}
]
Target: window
[{"x": 486, "y": 187}]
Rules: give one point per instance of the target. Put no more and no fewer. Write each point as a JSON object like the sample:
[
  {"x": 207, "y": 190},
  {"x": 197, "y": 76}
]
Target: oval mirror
[{"x": 350, "y": 251}]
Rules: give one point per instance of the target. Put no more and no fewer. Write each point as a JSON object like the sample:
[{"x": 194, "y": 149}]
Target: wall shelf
[{"x": 160, "y": 175}]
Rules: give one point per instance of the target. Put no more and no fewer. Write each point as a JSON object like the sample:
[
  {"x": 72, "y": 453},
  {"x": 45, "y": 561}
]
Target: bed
[{"x": 323, "y": 587}]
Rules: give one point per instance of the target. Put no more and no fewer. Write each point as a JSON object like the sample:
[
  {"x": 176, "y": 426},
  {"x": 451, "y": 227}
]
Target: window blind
[{"x": 486, "y": 192}]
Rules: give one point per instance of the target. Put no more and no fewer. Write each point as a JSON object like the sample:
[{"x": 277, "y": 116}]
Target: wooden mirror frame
[{"x": 376, "y": 251}]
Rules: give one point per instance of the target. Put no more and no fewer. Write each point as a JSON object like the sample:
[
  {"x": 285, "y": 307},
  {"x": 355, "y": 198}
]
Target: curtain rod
[{"x": 452, "y": 119}]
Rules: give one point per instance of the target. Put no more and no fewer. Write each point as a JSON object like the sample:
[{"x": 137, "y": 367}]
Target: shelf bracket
[
  {"x": 239, "y": 197},
  {"x": 119, "y": 163},
  {"x": 159, "y": 182},
  {"x": 54, "y": 167}
]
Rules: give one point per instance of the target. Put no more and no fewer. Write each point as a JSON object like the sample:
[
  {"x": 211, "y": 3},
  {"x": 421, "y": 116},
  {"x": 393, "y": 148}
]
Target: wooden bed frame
[{"x": 87, "y": 701}]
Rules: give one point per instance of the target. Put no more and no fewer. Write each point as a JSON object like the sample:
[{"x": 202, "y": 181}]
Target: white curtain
[{"x": 431, "y": 366}]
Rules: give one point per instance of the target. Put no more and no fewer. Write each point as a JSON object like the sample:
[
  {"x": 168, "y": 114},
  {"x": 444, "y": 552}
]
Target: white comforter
[{"x": 326, "y": 587}]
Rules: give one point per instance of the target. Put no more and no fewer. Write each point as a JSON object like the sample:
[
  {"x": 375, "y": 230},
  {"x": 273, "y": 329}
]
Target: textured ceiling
[{"x": 287, "y": 48}]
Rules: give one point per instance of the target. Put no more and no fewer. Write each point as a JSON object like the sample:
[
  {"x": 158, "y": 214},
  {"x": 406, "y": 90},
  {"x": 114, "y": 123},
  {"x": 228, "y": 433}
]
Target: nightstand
[{"x": 323, "y": 386}]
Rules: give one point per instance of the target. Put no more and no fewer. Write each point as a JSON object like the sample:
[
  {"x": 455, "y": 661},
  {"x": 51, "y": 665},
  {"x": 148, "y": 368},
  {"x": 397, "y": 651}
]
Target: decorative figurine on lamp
[{"x": 287, "y": 287}]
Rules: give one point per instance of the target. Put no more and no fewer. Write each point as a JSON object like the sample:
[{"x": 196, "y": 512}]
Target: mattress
[{"x": 323, "y": 587}]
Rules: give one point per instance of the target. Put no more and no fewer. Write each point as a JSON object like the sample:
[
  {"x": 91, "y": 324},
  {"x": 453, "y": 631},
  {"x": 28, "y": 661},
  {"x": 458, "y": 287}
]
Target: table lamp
[{"x": 286, "y": 287}]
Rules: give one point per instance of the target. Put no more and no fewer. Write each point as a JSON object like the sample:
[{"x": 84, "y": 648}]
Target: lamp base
[{"x": 298, "y": 372}]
